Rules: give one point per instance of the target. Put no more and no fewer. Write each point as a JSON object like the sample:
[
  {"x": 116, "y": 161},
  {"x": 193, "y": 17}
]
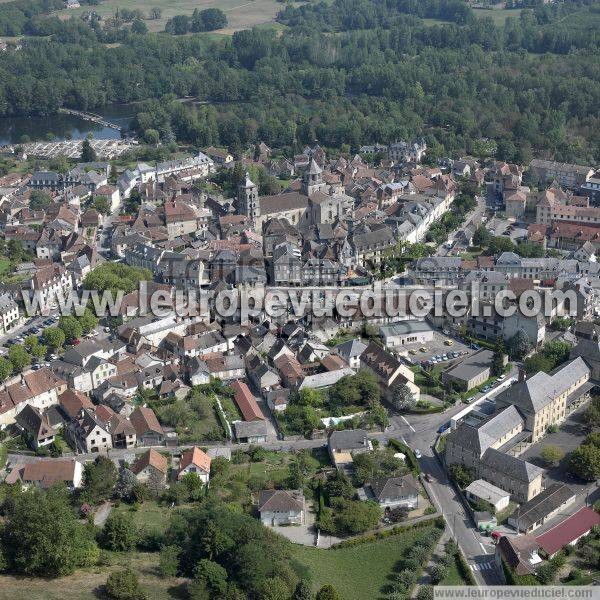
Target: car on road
[
  {"x": 423, "y": 349},
  {"x": 445, "y": 332},
  {"x": 429, "y": 477},
  {"x": 412, "y": 351},
  {"x": 417, "y": 453},
  {"x": 449, "y": 342}
]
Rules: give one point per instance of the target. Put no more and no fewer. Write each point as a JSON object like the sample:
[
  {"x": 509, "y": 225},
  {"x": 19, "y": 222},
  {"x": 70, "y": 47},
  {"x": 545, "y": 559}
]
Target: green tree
[
  {"x": 39, "y": 200},
  {"x": 438, "y": 573},
  {"x": 169, "y": 561},
  {"x": 6, "y": 369},
  {"x": 592, "y": 413},
  {"x": 328, "y": 592},
  {"x": 43, "y": 537},
  {"x": 497, "y": 363},
  {"x": 88, "y": 154},
  {"x": 481, "y": 236},
  {"x": 585, "y": 462},
  {"x": 213, "y": 575},
  {"x": 403, "y": 398},
  {"x": 54, "y": 336},
  {"x": 356, "y": 517},
  {"x": 518, "y": 345},
  {"x": 303, "y": 591},
  {"x": 15, "y": 250},
  {"x": 71, "y": 327},
  {"x": 425, "y": 592},
  {"x": 462, "y": 475},
  {"x": 139, "y": 27},
  {"x": 101, "y": 204},
  {"x": 99, "y": 480},
  {"x": 19, "y": 357},
  {"x": 32, "y": 343},
  {"x": 124, "y": 585},
  {"x": 88, "y": 321},
  {"x": 552, "y": 454},
  {"x": 120, "y": 533}
]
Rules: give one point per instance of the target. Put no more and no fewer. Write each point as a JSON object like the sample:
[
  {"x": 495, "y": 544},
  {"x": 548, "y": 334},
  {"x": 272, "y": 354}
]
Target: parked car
[
  {"x": 449, "y": 342},
  {"x": 423, "y": 349},
  {"x": 418, "y": 453}
]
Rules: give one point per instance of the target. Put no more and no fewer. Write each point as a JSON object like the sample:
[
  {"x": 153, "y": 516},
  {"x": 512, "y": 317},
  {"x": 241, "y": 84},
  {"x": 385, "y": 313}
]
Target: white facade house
[{"x": 281, "y": 507}]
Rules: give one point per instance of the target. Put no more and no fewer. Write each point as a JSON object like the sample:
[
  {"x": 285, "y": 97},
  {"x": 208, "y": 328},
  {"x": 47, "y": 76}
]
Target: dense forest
[{"x": 345, "y": 73}]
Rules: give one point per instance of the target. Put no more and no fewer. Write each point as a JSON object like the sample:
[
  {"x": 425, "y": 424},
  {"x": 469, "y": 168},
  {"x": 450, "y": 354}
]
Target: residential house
[
  {"x": 45, "y": 472},
  {"x": 389, "y": 371},
  {"x": 151, "y": 465},
  {"x": 394, "y": 492},
  {"x": 251, "y": 432},
  {"x": 36, "y": 427},
  {"x": 195, "y": 461},
  {"x": 281, "y": 507},
  {"x": 147, "y": 428}
]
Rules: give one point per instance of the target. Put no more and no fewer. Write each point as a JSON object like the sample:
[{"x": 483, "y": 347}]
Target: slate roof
[
  {"x": 514, "y": 467},
  {"x": 393, "y": 488},
  {"x": 281, "y": 501},
  {"x": 348, "y": 439},
  {"x": 543, "y": 504},
  {"x": 479, "y": 439}
]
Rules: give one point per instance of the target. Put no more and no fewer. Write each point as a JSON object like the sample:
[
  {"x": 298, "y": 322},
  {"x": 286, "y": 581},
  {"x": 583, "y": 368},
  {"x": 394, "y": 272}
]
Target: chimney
[{"x": 522, "y": 374}]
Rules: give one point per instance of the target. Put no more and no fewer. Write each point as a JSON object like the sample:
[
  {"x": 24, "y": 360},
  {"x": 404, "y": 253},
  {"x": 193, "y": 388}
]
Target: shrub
[{"x": 124, "y": 585}]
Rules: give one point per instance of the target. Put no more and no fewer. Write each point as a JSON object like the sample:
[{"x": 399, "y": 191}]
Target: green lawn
[
  {"x": 359, "y": 572},
  {"x": 498, "y": 15},
  {"x": 149, "y": 516},
  {"x": 87, "y": 584}
]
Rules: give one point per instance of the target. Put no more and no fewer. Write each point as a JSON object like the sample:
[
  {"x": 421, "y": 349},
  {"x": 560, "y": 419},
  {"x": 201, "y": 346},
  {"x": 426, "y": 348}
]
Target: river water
[{"x": 62, "y": 127}]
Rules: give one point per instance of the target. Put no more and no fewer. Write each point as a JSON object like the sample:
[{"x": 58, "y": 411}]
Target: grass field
[
  {"x": 150, "y": 516},
  {"x": 360, "y": 572},
  {"x": 241, "y": 14},
  {"x": 498, "y": 15},
  {"x": 87, "y": 584}
]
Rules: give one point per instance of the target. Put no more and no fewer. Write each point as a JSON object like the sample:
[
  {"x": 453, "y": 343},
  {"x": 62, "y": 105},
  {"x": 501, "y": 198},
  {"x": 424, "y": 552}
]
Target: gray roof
[
  {"x": 348, "y": 439},
  {"x": 479, "y": 439},
  {"x": 542, "y": 505},
  {"x": 245, "y": 429},
  {"x": 512, "y": 466},
  {"x": 405, "y": 328},
  {"x": 486, "y": 491},
  {"x": 281, "y": 501},
  {"x": 351, "y": 348},
  {"x": 393, "y": 488},
  {"x": 533, "y": 394},
  {"x": 471, "y": 365}
]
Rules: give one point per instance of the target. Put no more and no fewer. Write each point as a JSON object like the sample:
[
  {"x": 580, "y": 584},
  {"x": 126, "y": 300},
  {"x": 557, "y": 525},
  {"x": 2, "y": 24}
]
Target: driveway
[
  {"x": 102, "y": 513},
  {"x": 300, "y": 534}
]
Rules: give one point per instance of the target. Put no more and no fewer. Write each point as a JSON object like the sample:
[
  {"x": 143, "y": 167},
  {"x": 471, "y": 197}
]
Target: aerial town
[{"x": 474, "y": 436}]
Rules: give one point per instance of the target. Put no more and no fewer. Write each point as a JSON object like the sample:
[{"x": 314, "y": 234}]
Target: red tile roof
[
  {"x": 246, "y": 402},
  {"x": 195, "y": 457},
  {"x": 569, "y": 530}
]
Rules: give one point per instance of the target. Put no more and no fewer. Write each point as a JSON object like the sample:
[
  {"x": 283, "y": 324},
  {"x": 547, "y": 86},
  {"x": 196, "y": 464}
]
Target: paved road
[
  {"x": 476, "y": 214},
  {"x": 418, "y": 431}
]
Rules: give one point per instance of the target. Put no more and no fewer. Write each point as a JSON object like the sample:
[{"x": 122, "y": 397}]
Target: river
[{"x": 62, "y": 127}]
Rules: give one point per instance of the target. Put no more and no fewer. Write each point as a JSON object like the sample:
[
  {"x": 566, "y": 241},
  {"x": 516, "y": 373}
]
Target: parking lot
[
  {"x": 428, "y": 351},
  {"x": 516, "y": 231},
  {"x": 568, "y": 437}
]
